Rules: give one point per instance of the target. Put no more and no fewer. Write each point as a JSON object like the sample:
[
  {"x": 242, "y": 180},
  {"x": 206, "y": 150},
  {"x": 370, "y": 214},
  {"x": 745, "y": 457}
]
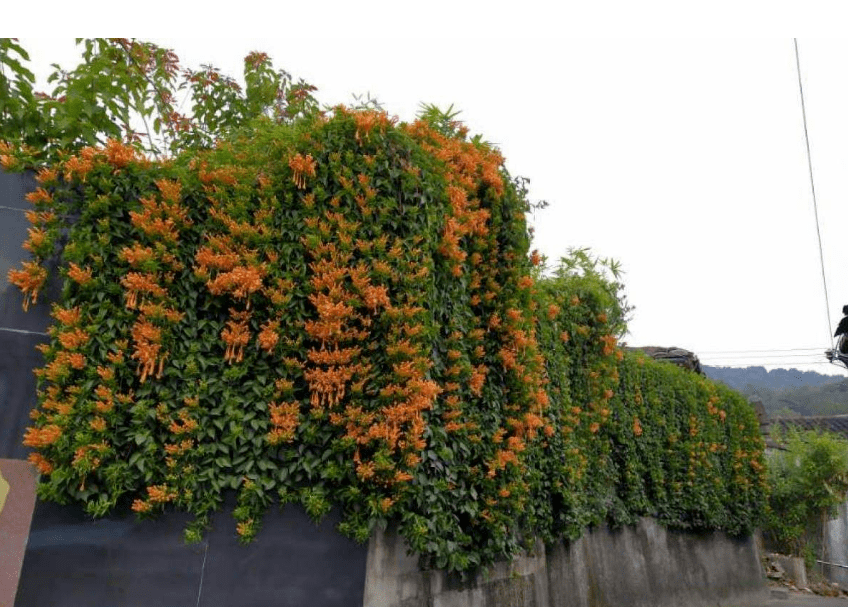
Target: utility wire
[
  {"x": 780, "y": 357},
  {"x": 813, "y": 190},
  {"x": 763, "y": 351}
]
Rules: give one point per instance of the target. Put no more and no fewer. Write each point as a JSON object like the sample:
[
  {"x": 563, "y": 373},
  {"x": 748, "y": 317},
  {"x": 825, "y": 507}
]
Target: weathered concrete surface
[
  {"x": 641, "y": 566},
  {"x": 796, "y": 570},
  {"x": 836, "y": 547},
  {"x": 648, "y": 565},
  {"x": 393, "y": 579}
]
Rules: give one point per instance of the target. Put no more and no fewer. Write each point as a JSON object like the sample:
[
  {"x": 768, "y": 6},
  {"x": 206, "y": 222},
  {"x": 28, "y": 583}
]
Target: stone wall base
[{"x": 644, "y": 565}]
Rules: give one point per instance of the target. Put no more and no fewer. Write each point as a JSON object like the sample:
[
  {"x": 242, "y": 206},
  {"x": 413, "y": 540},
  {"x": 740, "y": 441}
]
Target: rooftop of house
[{"x": 838, "y": 424}]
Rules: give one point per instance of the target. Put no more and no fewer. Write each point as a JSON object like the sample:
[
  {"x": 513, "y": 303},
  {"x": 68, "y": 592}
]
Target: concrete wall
[
  {"x": 641, "y": 566},
  {"x": 836, "y": 547}
]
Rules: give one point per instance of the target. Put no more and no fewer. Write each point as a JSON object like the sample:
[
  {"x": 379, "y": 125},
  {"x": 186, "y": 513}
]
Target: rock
[
  {"x": 678, "y": 356},
  {"x": 779, "y": 593}
]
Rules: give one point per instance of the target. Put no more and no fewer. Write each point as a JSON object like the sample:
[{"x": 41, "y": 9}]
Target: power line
[
  {"x": 715, "y": 356},
  {"x": 763, "y": 351},
  {"x": 813, "y": 190},
  {"x": 787, "y": 365}
]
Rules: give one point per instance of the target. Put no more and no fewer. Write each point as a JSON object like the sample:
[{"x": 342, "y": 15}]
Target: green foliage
[
  {"x": 595, "y": 280},
  {"x": 639, "y": 437},
  {"x": 337, "y": 310},
  {"x": 137, "y": 92},
  {"x": 807, "y": 482}
]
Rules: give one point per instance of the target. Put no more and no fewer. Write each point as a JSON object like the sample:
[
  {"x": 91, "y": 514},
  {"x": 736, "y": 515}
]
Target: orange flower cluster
[
  {"x": 160, "y": 494},
  {"x": 147, "y": 339},
  {"x": 137, "y": 255},
  {"x": 36, "y": 237},
  {"x": 119, "y": 155},
  {"x": 161, "y": 218},
  {"x": 185, "y": 424},
  {"x": 29, "y": 280},
  {"x": 82, "y": 276},
  {"x": 269, "y": 336},
  {"x": 73, "y": 339},
  {"x": 366, "y": 121},
  {"x": 39, "y": 196},
  {"x": 39, "y": 438},
  {"x": 302, "y": 167},
  {"x": 236, "y": 335},
  {"x": 241, "y": 281},
  {"x": 60, "y": 366},
  {"x": 88, "y": 457},
  {"x": 77, "y": 167},
  {"x": 46, "y": 176},
  {"x": 284, "y": 420},
  {"x": 41, "y": 463}
]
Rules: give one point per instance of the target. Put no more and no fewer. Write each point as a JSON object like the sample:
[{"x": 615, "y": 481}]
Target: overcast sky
[{"x": 682, "y": 159}]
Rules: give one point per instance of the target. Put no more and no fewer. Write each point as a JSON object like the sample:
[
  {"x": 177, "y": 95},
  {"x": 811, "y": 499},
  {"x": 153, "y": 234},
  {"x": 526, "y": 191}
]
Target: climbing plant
[{"x": 337, "y": 309}]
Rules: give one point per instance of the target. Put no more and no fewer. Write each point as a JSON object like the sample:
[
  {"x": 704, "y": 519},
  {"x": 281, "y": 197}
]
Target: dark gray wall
[
  {"x": 119, "y": 561},
  {"x": 20, "y": 331}
]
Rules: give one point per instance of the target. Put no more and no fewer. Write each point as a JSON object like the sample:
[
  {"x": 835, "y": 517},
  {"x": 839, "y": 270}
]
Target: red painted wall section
[{"x": 17, "y": 482}]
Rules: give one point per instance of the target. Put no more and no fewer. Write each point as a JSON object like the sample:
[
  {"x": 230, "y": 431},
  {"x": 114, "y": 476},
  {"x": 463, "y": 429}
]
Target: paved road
[{"x": 803, "y": 599}]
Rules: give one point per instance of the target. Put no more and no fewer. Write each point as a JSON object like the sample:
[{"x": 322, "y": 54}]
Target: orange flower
[
  {"x": 141, "y": 506},
  {"x": 137, "y": 255},
  {"x": 118, "y": 154},
  {"x": 77, "y": 274},
  {"x": 39, "y": 196},
  {"x": 46, "y": 176},
  {"x": 36, "y": 238},
  {"x": 79, "y": 166},
  {"x": 285, "y": 419},
  {"x": 66, "y": 316},
  {"x": 236, "y": 335},
  {"x": 159, "y": 494},
  {"x": 39, "y": 438},
  {"x": 73, "y": 339},
  {"x": 269, "y": 335},
  {"x": 41, "y": 463},
  {"x": 245, "y": 527},
  {"x": 241, "y": 281},
  {"x": 29, "y": 280},
  {"x": 301, "y": 166},
  {"x": 170, "y": 190}
]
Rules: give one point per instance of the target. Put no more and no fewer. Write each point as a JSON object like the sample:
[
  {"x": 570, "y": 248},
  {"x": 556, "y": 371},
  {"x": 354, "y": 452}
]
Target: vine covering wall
[{"x": 343, "y": 310}]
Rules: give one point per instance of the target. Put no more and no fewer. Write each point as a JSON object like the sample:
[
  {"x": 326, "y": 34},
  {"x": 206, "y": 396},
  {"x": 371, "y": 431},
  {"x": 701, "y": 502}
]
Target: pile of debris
[{"x": 791, "y": 573}]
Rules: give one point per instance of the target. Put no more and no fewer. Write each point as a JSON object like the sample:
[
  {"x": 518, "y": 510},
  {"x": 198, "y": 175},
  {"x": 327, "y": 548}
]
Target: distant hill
[
  {"x": 787, "y": 393},
  {"x": 740, "y": 378}
]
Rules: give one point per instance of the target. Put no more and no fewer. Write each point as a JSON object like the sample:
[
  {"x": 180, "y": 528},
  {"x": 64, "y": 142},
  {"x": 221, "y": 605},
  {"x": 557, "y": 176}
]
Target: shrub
[{"x": 807, "y": 481}]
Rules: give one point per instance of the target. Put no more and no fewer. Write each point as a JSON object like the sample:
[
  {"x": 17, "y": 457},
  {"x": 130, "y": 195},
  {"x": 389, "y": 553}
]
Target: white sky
[{"x": 682, "y": 159}]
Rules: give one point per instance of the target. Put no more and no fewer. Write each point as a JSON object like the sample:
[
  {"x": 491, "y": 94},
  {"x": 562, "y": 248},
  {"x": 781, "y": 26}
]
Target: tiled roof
[{"x": 838, "y": 424}]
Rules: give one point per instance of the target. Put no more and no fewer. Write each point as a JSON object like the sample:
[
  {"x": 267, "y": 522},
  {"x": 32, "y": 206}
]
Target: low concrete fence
[{"x": 641, "y": 566}]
